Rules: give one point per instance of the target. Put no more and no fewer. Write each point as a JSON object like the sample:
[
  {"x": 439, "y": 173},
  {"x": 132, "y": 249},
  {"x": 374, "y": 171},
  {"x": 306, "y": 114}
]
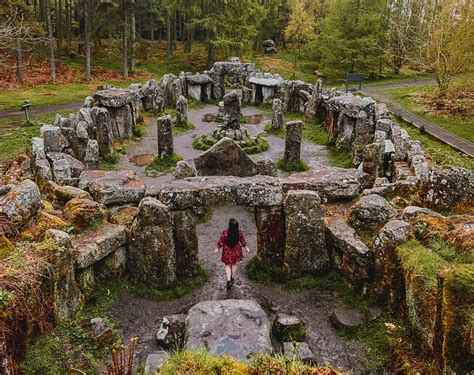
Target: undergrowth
[
  {"x": 110, "y": 161},
  {"x": 300, "y": 166},
  {"x": 159, "y": 167},
  {"x": 69, "y": 343}
]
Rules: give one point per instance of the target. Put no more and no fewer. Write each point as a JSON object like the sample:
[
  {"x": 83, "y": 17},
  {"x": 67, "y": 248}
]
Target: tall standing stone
[
  {"x": 305, "y": 250},
  {"x": 231, "y": 111},
  {"x": 293, "y": 142},
  {"x": 270, "y": 234},
  {"x": 186, "y": 244},
  {"x": 165, "y": 137},
  {"x": 152, "y": 249},
  {"x": 277, "y": 119},
  {"x": 182, "y": 111}
]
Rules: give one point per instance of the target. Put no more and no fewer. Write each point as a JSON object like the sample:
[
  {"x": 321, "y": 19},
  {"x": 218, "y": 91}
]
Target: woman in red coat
[{"x": 232, "y": 240}]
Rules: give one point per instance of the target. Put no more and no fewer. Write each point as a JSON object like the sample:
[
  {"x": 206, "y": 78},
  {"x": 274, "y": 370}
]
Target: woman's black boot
[
  {"x": 232, "y": 280},
  {"x": 229, "y": 285}
]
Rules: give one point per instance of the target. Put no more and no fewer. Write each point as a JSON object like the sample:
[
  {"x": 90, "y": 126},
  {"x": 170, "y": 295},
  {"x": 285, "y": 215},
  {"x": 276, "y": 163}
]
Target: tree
[
  {"x": 300, "y": 28},
  {"x": 87, "y": 43},
  {"x": 50, "y": 41},
  {"x": 449, "y": 47},
  {"x": 352, "y": 36},
  {"x": 125, "y": 40}
]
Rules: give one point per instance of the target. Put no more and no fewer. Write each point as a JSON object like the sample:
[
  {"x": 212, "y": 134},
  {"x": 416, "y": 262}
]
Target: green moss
[
  {"x": 160, "y": 167},
  {"x": 195, "y": 104},
  {"x": 69, "y": 343},
  {"x": 140, "y": 130},
  {"x": 449, "y": 252},
  {"x": 179, "y": 130},
  {"x": 110, "y": 161},
  {"x": 263, "y": 272},
  {"x": 301, "y": 166},
  {"x": 339, "y": 157},
  {"x": 204, "y": 216}
]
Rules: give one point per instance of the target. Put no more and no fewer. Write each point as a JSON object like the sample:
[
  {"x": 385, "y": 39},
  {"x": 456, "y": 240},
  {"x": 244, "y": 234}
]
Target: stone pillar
[
  {"x": 165, "y": 137},
  {"x": 182, "y": 111},
  {"x": 277, "y": 118},
  {"x": 293, "y": 142},
  {"x": 363, "y": 135},
  {"x": 305, "y": 250},
  {"x": 186, "y": 244},
  {"x": 372, "y": 161},
  {"x": 270, "y": 234},
  {"x": 67, "y": 296},
  {"x": 231, "y": 111},
  {"x": 152, "y": 250}
]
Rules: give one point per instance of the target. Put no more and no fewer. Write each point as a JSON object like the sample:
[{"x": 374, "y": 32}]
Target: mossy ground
[
  {"x": 203, "y": 363},
  {"x": 70, "y": 344},
  {"x": 301, "y": 166},
  {"x": 254, "y": 145},
  {"x": 160, "y": 167}
]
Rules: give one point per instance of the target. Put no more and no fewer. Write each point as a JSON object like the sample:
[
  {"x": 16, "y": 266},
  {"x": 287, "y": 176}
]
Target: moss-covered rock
[
  {"x": 85, "y": 212},
  {"x": 44, "y": 220},
  {"x": 6, "y": 247}
]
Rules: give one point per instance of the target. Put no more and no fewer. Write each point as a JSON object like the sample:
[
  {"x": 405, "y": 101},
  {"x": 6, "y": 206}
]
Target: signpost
[
  {"x": 354, "y": 77},
  {"x": 26, "y": 105}
]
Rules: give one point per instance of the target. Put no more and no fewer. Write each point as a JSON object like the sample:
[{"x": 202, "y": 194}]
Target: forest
[{"x": 376, "y": 37}]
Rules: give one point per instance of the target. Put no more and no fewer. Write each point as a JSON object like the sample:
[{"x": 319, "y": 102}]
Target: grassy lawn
[
  {"x": 464, "y": 128},
  {"x": 16, "y": 137},
  {"x": 438, "y": 152}
]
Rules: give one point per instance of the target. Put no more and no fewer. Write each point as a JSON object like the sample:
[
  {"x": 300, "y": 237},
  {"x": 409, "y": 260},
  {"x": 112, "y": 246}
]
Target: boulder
[
  {"x": 66, "y": 169},
  {"x": 331, "y": 184},
  {"x": 53, "y": 139},
  {"x": 97, "y": 328},
  {"x": 152, "y": 248},
  {"x": 85, "y": 212},
  {"x": 225, "y": 158},
  {"x": 370, "y": 212},
  {"x": 350, "y": 254},
  {"x": 348, "y": 319},
  {"x": 165, "y": 137},
  {"x": 448, "y": 189},
  {"x": 298, "y": 351},
  {"x": 231, "y": 117},
  {"x": 123, "y": 215},
  {"x": 115, "y": 98},
  {"x": 228, "y": 327},
  {"x": 185, "y": 244},
  {"x": 182, "y": 111},
  {"x": 267, "y": 167},
  {"x": 171, "y": 333},
  {"x": 155, "y": 361},
  {"x": 92, "y": 247},
  {"x": 62, "y": 193},
  {"x": 183, "y": 170},
  {"x": 305, "y": 250},
  {"x": 21, "y": 203},
  {"x": 113, "y": 187},
  {"x": 289, "y": 328},
  {"x": 36, "y": 229},
  {"x": 293, "y": 142},
  {"x": 103, "y": 129},
  {"x": 91, "y": 158}
]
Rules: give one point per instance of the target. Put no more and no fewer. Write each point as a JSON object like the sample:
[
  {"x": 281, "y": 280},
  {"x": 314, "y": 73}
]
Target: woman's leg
[
  {"x": 233, "y": 269},
  {"x": 228, "y": 271}
]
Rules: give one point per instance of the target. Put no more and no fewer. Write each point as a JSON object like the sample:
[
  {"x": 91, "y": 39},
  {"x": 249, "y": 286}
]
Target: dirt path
[
  {"x": 35, "y": 111},
  {"x": 140, "y": 317},
  {"x": 439, "y": 133}
]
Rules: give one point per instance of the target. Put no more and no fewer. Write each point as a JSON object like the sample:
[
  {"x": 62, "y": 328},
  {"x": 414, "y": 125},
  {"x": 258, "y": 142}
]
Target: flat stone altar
[{"x": 232, "y": 327}]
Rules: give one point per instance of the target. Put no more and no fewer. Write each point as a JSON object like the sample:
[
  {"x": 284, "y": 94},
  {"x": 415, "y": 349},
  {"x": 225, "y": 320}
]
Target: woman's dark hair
[{"x": 233, "y": 233}]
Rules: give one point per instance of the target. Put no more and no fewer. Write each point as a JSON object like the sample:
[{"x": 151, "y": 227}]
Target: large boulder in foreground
[
  {"x": 225, "y": 158},
  {"x": 231, "y": 327},
  {"x": 21, "y": 203},
  {"x": 113, "y": 187}
]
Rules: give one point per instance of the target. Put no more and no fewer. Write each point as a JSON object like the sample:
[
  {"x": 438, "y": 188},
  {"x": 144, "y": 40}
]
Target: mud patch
[
  {"x": 142, "y": 159},
  {"x": 209, "y": 117},
  {"x": 253, "y": 119}
]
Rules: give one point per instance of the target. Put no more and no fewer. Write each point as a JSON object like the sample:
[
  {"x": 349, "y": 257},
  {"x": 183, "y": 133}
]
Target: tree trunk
[
  {"x": 19, "y": 63},
  {"x": 132, "y": 36},
  {"x": 87, "y": 37},
  {"x": 125, "y": 41},
  {"x": 51, "y": 41},
  {"x": 169, "y": 48},
  {"x": 59, "y": 26},
  {"x": 68, "y": 26}
]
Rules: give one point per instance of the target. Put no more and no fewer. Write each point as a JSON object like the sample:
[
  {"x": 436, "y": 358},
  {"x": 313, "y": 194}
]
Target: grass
[
  {"x": 404, "y": 95},
  {"x": 201, "y": 362},
  {"x": 203, "y": 217},
  {"x": 179, "y": 130},
  {"x": 16, "y": 137},
  {"x": 160, "y": 167},
  {"x": 110, "y": 161},
  {"x": 300, "y": 166},
  {"x": 437, "y": 152},
  {"x": 70, "y": 344}
]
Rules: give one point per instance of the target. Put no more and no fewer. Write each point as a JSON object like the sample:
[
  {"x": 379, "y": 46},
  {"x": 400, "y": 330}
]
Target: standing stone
[
  {"x": 277, "y": 119},
  {"x": 91, "y": 159},
  {"x": 182, "y": 111},
  {"x": 232, "y": 111},
  {"x": 270, "y": 234},
  {"x": 183, "y": 170},
  {"x": 293, "y": 142},
  {"x": 305, "y": 249},
  {"x": 152, "y": 251},
  {"x": 165, "y": 137},
  {"x": 186, "y": 244}
]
